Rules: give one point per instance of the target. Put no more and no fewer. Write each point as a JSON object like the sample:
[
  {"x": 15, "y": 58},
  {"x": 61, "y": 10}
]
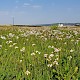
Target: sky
[{"x": 39, "y": 11}]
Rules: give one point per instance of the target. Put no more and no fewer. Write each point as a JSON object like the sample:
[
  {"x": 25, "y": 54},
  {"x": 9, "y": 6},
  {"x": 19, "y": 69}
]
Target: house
[{"x": 60, "y": 25}]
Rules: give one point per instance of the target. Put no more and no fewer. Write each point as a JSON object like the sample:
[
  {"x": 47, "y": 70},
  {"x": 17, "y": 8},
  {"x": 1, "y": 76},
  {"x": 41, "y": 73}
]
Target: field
[{"x": 45, "y": 53}]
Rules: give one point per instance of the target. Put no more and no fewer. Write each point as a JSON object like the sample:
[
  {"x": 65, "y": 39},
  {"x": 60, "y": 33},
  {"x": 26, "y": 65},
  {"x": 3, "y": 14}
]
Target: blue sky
[{"x": 39, "y": 11}]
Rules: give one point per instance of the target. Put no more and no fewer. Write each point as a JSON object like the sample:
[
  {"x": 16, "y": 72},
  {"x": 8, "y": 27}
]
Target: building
[{"x": 60, "y": 25}]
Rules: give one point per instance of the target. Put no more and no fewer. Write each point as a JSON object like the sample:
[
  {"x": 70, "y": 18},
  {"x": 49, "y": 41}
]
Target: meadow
[{"x": 44, "y": 54}]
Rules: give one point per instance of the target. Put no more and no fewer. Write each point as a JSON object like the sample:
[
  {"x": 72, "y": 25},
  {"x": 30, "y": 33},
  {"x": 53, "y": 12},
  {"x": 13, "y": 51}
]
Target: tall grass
[{"x": 39, "y": 54}]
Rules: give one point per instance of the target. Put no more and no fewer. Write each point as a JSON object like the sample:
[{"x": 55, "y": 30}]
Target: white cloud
[
  {"x": 30, "y": 5},
  {"x": 26, "y": 4},
  {"x": 36, "y": 6}
]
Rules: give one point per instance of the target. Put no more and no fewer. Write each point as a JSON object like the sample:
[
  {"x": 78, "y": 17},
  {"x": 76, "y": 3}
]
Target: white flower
[
  {"x": 70, "y": 57},
  {"x": 76, "y": 41},
  {"x": 23, "y": 49},
  {"x": 20, "y": 61},
  {"x": 49, "y": 65},
  {"x": 55, "y": 63},
  {"x": 52, "y": 47},
  {"x": 27, "y": 72},
  {"x": 65, "y": 43},
  {"x": 49, "y": 46},
  {"x": 45, "y": 55},
  {"x": 49, "y": 60},
  {"x": 17, "y": 37},
  {"x": 32, "y": 54},
  {"x": 11, "y": 46},
  {"x": 56, "y": 50},
  {"x": 71, "y": 50},
  {"x": 75, "y": 32},
  {"x": 38, "y": 52},
  {"x": 14, "y": 43},
  {"x": 0, "y": 46},
  {"x": 3, "y": 37},
  {"x": 56, "y": 59},
  {"x": 16, "y": 47},
  {"x": 51, "y": 55},
  {"x": 33, "y": 44},
  {"x": 7, "y": 42},
  {"x": 10, "y": 41},
  {"x": 11, "y": 35}
]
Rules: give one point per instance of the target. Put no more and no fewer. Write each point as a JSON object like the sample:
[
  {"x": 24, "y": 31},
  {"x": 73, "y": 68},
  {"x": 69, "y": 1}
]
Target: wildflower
[
  {"x": 32, "y": 54},
  {"x": 7, "y": 42},
  {"x": 27, "y": 72},
  {"x": 11, "y": 35},
  {"x": 17, "y": 37},
  {"x": 16, "y": 47},
  {"x": 56, "y": 50},
  {"x": 71, "y": 50},
  {"x": 75, "y": 32},
  {"x": 42, "y": 36},
  {"x": 55, "y": 63},
  {"x": 11, "y": 46},
  {"x": 48, "y": 59},
  {"x": 14, "y": 43},
  {"x": 45, "y": 55},
  {"x": 45, "y": 39},
  {"x": 52, "y": 47},
  {"x": 49, "y": 46},
  {"x": 23, "y": 49},
  {"x": 51, "y": 55},
  {"x": 65, "y": 43},
  {"x": 33, "y": 44},
  {"x": 49, "y": 65},
  {"x": 38, "y": 52},
  {"x": 56, "y": 59},
  {"x": 20, "y": 61},
  {"x": 76, "y": 41},
  {"x": 0, "y": 46},
  {"x": 70, "y": 57},
  {"x": 3, "y": 37}
]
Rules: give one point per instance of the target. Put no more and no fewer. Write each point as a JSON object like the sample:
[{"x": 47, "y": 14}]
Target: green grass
[{"x": 22, "y": 54}]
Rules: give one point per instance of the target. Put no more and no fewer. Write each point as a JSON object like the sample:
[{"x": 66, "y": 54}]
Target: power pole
[{"x": 13, "y": 20}]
